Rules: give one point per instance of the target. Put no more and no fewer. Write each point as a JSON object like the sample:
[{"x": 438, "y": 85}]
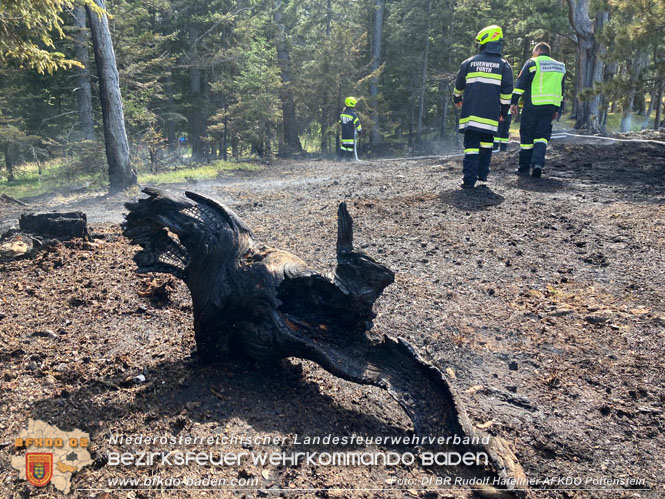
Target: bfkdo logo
[
  {"x": 52, "y": 456},
  {"x": 39, "y": 468}
]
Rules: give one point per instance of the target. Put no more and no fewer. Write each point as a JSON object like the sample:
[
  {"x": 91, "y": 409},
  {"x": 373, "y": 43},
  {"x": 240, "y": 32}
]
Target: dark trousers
[
  {"x": 346, "y": 152},
  {"x": 477, "y": 155},
  {"x": 535, "y": 133},
  {"x": 502, "y": 137}
]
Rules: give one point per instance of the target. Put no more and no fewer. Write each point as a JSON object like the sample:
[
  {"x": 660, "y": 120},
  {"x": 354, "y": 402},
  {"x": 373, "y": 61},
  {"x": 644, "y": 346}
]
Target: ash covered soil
[{"x": 543, "y": 300}]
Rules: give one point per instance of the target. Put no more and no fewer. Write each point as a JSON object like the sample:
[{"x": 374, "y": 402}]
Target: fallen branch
[{"x": 10, "y": 199}]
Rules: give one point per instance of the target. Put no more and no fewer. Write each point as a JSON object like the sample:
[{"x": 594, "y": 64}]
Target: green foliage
[
  {"x": 209, "y": 71},
  {"x": 27, "y": 28}
]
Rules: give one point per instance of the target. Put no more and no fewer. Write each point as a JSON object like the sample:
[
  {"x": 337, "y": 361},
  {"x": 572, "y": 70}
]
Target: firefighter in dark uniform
[
  {"x": 351, "y": 128},
  {"x": 540, "y": 87},
  {"x": 502, "y": 139},
  {"x": 483, "y": 90}
]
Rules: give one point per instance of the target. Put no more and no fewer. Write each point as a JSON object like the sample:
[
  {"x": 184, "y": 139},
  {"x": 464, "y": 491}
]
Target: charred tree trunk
[
  {"x": 377, "y": 40},
  {"x": 291, "y": 141},
  {"x": 256, "y": 302},
  {"x": 83, "y": 90},
  {"x": 121, "y": 174},
  {"x": 56, "y": 225}
]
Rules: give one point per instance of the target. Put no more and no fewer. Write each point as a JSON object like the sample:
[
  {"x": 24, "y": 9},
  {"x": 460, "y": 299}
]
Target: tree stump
[
  {"x": 61, "y": 226},
  {"x": 257, "y": 302}
]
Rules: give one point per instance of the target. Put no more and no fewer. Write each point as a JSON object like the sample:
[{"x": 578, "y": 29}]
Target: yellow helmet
[
  {"x": 489, "y": 34},
  {"x": 350, "y": 102}
]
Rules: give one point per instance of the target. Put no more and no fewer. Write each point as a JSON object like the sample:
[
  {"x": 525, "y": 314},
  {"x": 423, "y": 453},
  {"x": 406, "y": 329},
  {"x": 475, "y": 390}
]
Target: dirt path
[{"x": 545, "y": 298}]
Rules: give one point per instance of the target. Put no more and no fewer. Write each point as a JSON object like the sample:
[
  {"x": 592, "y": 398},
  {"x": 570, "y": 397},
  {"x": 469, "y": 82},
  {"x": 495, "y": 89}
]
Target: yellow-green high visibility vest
[{"x": 546, "y": 86}]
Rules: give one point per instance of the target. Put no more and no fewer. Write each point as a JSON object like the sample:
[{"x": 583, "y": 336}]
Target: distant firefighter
[{"x": 351, "y": 127}]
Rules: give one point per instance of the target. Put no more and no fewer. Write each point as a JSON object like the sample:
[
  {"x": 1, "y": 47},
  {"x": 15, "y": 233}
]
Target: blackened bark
[
  {"x": 83, "y": 90},
  {"x": 258, "y": 303},
  {"x": 121, "y": 174},
  {"x": 56, "y": 225}
]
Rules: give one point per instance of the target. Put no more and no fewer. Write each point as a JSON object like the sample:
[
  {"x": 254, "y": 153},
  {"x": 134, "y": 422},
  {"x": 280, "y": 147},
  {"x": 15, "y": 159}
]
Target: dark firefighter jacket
[
  {"x": 349, "y": 120},
  {"x": 538, "y": 84},
  {"x": 484, "y": 86}
]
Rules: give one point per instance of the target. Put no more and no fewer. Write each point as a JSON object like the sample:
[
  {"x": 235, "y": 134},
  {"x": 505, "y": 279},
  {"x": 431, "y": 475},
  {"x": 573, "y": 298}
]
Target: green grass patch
[
  {"x": 205, "y": 172},
  {"x": 56, "y": 175},
  {"x": 60, "y": 174}
]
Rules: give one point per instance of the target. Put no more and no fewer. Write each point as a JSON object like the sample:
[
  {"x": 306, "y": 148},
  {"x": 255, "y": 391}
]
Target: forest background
[{"x": 94, "y": 92}]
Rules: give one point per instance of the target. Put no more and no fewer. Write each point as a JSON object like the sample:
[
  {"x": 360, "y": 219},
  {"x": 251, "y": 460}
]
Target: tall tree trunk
[
  {"x": 338, "y": 142},
  {"x": 659, "y": 84},
  {"x": 556, "y": 46},
  {"x": 590, "y": 65},
  {"x": 197, "y": 112},
  {"x": 9, "y": 162},
  {"x": 121, "y": 173},
  {"x": 444, "y": 90},
  {"x": 637, "y": 65},
  {"x": 170, "y": 111},
  {"x": 423, "y": 80},
  {"x": 291, "y": 141},
  {"x": 329, "y": 17},
  {"x": 659, "y": 104},
  {"x": 444, "y": 87},
  {"x": 325, "y": 104},
  {"x": 83, "y": 90},
  {"x": 377, "y": 40},
  {"x": 526, "y": 48},
  {"x": 647, "y": 115}
]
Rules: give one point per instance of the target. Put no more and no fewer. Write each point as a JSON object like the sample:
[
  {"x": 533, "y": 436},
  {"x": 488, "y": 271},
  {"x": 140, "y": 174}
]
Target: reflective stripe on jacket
[
  {"x": 349, "y": 120},
  {"x": 484, "y": 85}
]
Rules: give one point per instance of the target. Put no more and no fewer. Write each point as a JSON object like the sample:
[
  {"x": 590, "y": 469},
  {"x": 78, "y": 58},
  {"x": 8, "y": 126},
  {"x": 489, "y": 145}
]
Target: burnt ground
[{"x": 543, "y": 299}]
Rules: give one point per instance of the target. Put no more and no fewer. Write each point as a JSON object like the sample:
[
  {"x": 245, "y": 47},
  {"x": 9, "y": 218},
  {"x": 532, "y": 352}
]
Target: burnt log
[
  {"x": 62, "y": 226},
  {"x": 260, "y": 303}
]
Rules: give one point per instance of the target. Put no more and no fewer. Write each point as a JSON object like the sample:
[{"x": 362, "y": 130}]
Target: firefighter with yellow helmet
[
  {"x": 483, "y": 90},
  {"x": 351, "y": 127}
]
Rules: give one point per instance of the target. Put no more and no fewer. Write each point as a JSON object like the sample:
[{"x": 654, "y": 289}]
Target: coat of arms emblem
[{"x": 39, "y": 468}]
